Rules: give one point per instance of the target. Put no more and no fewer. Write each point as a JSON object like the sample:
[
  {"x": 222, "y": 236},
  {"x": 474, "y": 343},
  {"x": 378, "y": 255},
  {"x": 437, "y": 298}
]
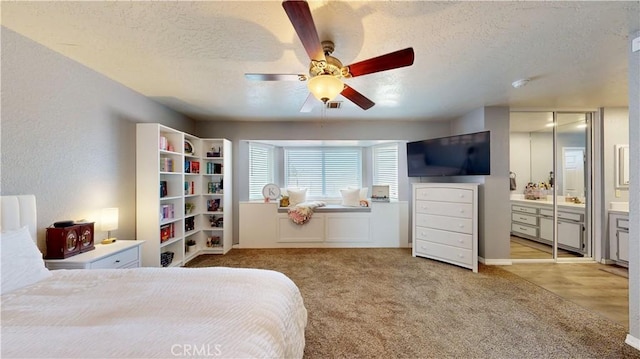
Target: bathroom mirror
[{"x": 622, "y": 166}]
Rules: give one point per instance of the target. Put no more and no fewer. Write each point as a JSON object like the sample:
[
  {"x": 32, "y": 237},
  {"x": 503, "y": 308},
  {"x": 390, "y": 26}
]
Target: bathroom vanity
[{"x": 533, "y": 220}]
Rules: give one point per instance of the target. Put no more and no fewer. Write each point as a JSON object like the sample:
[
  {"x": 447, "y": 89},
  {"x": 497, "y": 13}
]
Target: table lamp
[{"x": 109, "y": 222}]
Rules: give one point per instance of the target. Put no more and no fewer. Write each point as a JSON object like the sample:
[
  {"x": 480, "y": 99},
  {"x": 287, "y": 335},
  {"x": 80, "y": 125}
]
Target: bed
[{"x": 141, "y": 312}]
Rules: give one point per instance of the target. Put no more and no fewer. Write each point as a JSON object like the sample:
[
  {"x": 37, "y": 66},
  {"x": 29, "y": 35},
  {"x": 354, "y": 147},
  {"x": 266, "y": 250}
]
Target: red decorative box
[{"x": 68, "y": 241}]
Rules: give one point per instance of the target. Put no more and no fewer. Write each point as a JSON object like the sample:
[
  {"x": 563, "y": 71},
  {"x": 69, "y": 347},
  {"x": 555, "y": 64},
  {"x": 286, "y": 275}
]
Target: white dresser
[{"x": 445, "y": 223}]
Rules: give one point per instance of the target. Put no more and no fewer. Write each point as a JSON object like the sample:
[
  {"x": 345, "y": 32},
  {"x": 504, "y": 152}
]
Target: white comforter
[{"x": 156, "y": 312}]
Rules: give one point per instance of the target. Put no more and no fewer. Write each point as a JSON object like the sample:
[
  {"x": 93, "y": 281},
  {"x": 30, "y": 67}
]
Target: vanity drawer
[
  {"x": 546, "y": 212},
  {"x": 122, "y": 259},
  {"x": 524, "y": 209},
  {"x": 570, "y": 216},
  {"x": 440, "y": 251},
  {"x": 445, "y": 194},
  {"x": 462, "y": 210},
  {"x": 444, "y": 237},
  {"x": 526, "y": 230},
  {"x": 460, "y": 225},
  {"x": 524, "y": 218},
  {"x": 622, "y": 223}
]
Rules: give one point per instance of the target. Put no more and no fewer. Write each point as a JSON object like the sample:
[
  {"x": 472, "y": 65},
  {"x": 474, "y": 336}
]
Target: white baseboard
[
  {"x": 495, "y": 262},
  {"x": 633, "y": 341}
]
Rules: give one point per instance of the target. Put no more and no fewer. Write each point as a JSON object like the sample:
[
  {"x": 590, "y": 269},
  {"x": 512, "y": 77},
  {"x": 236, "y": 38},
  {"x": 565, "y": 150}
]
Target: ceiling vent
[{"x": 334, "y": 104}]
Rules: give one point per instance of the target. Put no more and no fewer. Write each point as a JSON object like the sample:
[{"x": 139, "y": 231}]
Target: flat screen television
[{"x": 460, "y": 155}]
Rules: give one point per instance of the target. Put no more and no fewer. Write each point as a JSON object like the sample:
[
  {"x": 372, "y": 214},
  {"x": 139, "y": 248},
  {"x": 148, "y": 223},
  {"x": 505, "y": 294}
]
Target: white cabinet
[
  {"x": 619, "y": 238},
  {"x": 173, "y": 191},
  {"x": 445, "y": 223}
]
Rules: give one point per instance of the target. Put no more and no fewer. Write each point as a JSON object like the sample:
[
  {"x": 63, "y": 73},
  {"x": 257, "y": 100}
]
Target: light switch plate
[{"x": 635, "y": 44}]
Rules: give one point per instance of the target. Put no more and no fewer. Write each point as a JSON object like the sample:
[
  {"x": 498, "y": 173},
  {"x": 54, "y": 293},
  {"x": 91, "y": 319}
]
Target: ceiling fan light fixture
[{"x": 325, "y": 87}]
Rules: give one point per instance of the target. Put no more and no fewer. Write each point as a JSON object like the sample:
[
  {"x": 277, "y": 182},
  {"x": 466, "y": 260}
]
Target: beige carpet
[{"x": 383, "y": 303}]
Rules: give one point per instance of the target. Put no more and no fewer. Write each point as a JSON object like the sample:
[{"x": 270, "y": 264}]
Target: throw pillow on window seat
[
  {"x": 296, "y": 196},
  {"x": 350, "y": 197}
]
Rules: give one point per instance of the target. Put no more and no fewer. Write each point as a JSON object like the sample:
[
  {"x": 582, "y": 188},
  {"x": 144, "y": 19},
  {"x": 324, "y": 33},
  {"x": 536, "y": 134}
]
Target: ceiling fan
[{"x": 326, "y": 71}]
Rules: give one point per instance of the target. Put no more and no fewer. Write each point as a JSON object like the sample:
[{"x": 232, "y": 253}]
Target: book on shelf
[
  {"x": 213, "y": 205},
  {"x": 163, "y": 189},
  {"x": 187, "y": 166},
  {"x": 189, "y": 224},
  {"x": 166, "y": 164},
  {"x": 189, "y": 187},
  {"x": 195, "y": 167},
  {"x": 166, "y": 211},
  {"x": 167, "y": 232}
]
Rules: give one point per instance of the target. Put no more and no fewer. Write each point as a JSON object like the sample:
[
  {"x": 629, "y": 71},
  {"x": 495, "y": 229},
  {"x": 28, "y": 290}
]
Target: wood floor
[
  {"x": 526, "y": 249},
  {"x": 591, "y": 285}
]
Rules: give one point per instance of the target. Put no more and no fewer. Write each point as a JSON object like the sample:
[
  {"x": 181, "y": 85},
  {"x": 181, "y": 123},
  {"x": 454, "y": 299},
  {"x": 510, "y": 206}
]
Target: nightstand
[{"x": 120, "y": 254}]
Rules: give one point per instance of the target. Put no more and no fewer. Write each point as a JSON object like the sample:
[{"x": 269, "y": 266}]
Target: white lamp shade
[
  {"x": 109, "y": 219},
  {"x": 325, "y": 87}
]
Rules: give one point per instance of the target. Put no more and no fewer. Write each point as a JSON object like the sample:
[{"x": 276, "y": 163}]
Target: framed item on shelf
[
  {"x": 188, "y": 147},
  {"x": 270, "y": 191}
]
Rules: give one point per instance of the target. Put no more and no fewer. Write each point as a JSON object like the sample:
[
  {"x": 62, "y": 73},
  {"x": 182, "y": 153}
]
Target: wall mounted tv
[{"x": 461, "y": 155}]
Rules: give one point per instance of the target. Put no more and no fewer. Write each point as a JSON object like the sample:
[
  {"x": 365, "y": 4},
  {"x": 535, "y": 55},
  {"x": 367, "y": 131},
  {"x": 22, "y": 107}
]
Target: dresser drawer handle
[{"x": 117, "y": 261}]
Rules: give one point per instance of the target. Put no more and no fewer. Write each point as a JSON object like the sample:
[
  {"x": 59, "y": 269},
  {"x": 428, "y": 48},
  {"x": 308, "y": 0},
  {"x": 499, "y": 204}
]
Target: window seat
[{"x": 266, "y": 225}]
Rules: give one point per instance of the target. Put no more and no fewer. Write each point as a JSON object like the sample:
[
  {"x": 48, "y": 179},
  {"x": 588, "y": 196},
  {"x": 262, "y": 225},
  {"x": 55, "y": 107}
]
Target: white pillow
[
  {"x": 350, "y": 197},
  {"x": 22, "y": 263},
  {"x": 296, "y": 196},
  {"x": 364, "y": 192}
]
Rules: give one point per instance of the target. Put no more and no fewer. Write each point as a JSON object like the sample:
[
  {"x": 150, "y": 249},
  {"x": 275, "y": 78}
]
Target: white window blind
[
  {"x": 261, "y": 168},
  {"x": 385, "y": 167},
  {"x": 323, "y": 171}
]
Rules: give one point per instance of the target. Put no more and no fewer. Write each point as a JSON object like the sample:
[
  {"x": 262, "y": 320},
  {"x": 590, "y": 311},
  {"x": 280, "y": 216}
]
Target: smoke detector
[{"x": 520, "y": 83}]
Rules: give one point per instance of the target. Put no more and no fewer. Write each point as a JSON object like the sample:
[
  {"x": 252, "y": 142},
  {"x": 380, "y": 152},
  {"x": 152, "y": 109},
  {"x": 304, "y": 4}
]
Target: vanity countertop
[{"x": 548, "y": 203}]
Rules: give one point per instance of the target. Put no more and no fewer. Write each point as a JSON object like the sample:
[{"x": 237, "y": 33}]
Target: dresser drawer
[
  {"x": 445, "y": 194},
  {"x": 462, "y": 210},
  {"x": 524, "y": 209},
  {"x": 524, "y": 218},
  {"x": 123, "y": 259},
  {"x": 444, "y": 237},
  {"x": 457, "y": 255},
  {"x": 461, "y": 225},
  {"x": 529, "y": 231}
]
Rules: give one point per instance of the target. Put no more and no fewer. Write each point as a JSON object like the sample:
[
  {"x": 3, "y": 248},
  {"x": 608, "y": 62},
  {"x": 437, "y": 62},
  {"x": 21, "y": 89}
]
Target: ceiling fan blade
[
  {"x": 276, "y": 77},
  {"x": 392, "y": 60},
  {"x": 357, "y": 98},
  {"x": 309, "y": 103},
  {"x": 300, "y": 17}
]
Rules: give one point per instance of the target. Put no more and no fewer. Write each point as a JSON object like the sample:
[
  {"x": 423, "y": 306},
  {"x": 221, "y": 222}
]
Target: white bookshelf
[{"x": 162, "y": 156}]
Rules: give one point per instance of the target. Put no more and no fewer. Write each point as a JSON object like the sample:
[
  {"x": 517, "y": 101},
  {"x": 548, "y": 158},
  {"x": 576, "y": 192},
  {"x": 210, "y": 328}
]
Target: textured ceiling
[{"x": 192, "y": 56}]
